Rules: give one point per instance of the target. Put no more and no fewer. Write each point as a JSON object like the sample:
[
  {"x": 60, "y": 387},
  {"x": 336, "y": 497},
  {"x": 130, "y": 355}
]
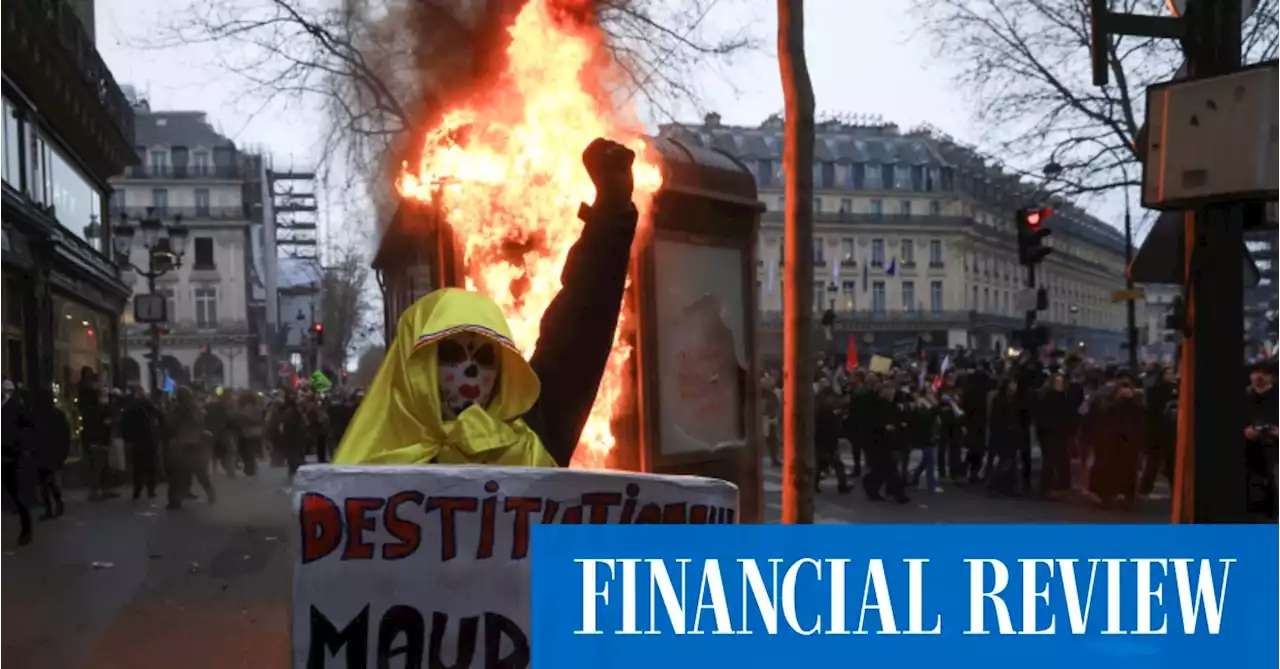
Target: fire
[{"x": 506, "y": 167}]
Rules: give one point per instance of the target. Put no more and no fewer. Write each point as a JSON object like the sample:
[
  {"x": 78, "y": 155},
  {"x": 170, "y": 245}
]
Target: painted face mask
[{"x": 468, "y": 366}]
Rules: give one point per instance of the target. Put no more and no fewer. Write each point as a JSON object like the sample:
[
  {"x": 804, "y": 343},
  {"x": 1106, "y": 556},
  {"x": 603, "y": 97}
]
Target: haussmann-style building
[{"x": 914, "y": 240}]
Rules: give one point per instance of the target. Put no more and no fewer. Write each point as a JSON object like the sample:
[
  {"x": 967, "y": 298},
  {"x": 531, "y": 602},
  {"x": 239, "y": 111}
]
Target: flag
[
  {"x": 169, "y": 384},
  {"x": 865, "y": 265},
  {"x": 892, "y": 268},
  {"x": 851, "y": 355},
  {"x": 946, "y": 364},
  {"x": 320, "y": 382}
]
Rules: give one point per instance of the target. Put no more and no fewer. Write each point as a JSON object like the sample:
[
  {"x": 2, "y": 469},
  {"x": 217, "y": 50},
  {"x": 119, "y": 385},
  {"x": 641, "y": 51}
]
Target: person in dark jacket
[
  {"x": 1261, "y": 413},
  {"x": 440, "y": 380},
  {"x": 51, "y": 432},
  {"x": 827, "y": 405},
  {"x": 189, "y": 445},
  {"x": 888, "y": 425},
  {"x": 1055, "y": 418},
  {"x": 1008, "y": 426},
  {"x": 977, "y": 386},
  {"x": 95, "y": 434},
  {"x": 138, "y": 426},
  {"x": 1160, "y": 440},
  {"x": 16, "y": 434}
]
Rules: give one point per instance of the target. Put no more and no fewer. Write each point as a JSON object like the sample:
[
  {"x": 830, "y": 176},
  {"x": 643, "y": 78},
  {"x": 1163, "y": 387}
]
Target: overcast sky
[{"x": 865, "y": 57}]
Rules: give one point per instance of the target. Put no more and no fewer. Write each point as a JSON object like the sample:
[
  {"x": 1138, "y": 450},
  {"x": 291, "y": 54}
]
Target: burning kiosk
[{"x": 688, "y": 404}]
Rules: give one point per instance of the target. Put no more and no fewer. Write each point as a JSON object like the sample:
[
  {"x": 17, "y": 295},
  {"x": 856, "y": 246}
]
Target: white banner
[{"x": 427, "y": 566}]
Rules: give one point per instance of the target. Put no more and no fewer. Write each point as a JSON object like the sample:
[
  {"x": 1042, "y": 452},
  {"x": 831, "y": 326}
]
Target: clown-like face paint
[{"x": 468, "y": 366}]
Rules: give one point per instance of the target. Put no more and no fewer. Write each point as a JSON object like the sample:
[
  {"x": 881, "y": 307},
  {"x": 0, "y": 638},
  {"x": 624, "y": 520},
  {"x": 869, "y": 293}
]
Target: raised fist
[{"x": 609, "y": 164}]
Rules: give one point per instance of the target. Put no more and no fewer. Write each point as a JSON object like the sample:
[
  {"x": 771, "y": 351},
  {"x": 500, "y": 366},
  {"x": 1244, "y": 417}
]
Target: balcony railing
[
  {"x": 905, "y": 317},
  {"x": 187, "y": 213},
  {"x": 894, "y": 219},
  {"x": 84, "y": 57},
  {"x": 184, "y": 172}
]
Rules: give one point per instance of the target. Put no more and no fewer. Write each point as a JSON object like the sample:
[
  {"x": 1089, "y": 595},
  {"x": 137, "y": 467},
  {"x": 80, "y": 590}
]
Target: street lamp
[
  {"x": 1053, "y": 170},
  {"x": 165, "y": 245}
]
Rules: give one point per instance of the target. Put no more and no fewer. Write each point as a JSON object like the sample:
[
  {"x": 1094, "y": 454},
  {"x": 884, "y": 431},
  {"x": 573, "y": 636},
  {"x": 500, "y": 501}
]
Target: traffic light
[
  {"x": 317, "y": 331},
  {"x": 1031, "y": 234}
]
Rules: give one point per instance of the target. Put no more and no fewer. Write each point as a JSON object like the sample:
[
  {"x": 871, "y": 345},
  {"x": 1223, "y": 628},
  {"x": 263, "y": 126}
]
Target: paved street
[
  {"x": 208, "y": 587},
  {"x": 957, "y": 505},
  {"x": 201, "y": 588}
]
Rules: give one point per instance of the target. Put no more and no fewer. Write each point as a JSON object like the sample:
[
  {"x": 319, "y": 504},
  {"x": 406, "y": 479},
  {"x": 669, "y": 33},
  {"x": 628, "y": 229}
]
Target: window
[
  {"x": 207, "y": 307},
  {"x": 933, "y": 179},
  {"x": 908, "y": 296},
  {"x": 1007, "y": 308},
  {"x": 846, "y": 251},
  {"x": 986, "y": 299},
  {"x": 170, "y": 304},
  {"x": 204, "y": 253},
  {"x": 158, "y": 162},
  {"x": 877, "y": 208},
  {"x": 817, "y": 205},
  {"x": 819, "y": 296},
  {"x": 849, "y": 291},
  {"x": 872, "y": 177},
  {"x": 200, "y": 163},
  {"x": 974, "y": 304},
  {"x": 160, "y": 200},
  {"x": 904, "y": 208},
  {"x": 39, "y": 182},
  {"x": 846, "y": 205},
  {"x": 908, "y": 252},
  {"x": 782, "y": 203},
  {"x": 818, "y": 248},
  {"x": 844, "y": 176},
  {"x": 764, "y": 172},
  {"x": 935, "y": 296},
  {"x": 818, "y": 182},
  {"x": 202, "y": 202},
  {"x": 877, "y": 297},
  {"x": 902, "y": 177},
  {"x": 12, "y": 146},
  {"x": 935, "y": 253},
  {"x": 877, "y": 253},
  {"x": 935, "y": 208}
]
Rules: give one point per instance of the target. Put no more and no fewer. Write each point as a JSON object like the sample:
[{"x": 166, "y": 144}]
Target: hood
[{"x": 400, "y": 420}]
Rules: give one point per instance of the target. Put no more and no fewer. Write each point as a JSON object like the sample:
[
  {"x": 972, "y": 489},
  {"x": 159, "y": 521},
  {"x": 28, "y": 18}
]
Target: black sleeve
[{"x": 576, "y": 333}]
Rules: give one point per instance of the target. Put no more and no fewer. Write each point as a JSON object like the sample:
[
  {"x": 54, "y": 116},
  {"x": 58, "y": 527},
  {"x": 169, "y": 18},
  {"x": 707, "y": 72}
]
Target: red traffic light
[
  {"x": 318, "y": 327},
  {"x": 1034, "y": 217}
]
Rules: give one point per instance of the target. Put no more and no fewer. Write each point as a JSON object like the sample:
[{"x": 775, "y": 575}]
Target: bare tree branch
[
  {"x": 379, "y": 68},
  {"x": 1025, "y": 64},
  {"x": 347, "y": 313}
]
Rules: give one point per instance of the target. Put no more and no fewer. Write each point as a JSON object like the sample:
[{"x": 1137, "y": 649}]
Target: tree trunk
[{"x": 797, "y": 333}]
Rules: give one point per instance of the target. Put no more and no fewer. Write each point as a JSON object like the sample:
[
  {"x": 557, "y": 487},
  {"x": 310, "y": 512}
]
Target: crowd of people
[
  {"x": 180, "y": 438},
  {"x": 1100, "y": 429}
]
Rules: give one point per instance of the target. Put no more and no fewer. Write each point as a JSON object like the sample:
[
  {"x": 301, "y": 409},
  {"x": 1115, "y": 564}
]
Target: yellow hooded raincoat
[{"x": 399, "y": 422}]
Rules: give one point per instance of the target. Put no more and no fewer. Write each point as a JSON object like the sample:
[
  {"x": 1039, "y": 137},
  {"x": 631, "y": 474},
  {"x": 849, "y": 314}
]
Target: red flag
[{"x": 851, "y": 356}]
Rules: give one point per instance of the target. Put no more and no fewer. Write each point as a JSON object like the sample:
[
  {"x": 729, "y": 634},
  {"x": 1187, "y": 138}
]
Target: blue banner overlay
[{"x": 1028, "y": 596}]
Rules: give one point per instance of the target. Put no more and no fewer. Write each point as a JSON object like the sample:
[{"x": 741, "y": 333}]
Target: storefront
[{"x": 83, "y": 339}]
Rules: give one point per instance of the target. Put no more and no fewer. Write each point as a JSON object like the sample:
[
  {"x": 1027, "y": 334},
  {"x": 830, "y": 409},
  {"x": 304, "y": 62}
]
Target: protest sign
[
  {"x": 428, "y": 565},
  {"x": 881, "y": 364}
]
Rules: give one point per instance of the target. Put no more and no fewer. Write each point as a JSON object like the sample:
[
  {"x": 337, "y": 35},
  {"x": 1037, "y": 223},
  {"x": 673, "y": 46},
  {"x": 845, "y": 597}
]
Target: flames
[{"x": 505, "y": 165}]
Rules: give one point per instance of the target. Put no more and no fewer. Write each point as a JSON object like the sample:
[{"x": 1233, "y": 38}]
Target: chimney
[{"x": 711, "y": 120}]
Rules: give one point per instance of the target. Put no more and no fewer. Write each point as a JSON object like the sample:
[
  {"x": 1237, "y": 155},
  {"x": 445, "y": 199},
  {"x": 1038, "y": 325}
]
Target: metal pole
[
  {"x": 1213, "y": 489},
  {"x": 797, "y": 331},
  {"x": 1131, "y": 308},
  {"x": 154, "y": 366}
]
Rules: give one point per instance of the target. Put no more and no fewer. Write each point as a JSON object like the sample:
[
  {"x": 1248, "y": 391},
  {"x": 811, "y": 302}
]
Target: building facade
[
  {"x": 68, "y": 127},
  {"x": 188, "y": 172},
  {"x": 914, "y": 239}
]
